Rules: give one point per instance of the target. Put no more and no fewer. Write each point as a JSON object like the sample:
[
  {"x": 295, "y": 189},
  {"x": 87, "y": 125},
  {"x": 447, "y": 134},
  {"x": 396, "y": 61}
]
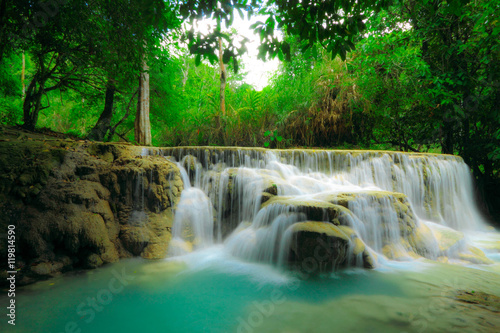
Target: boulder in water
[
  {"x": 314, "y": 210},
  {"x": 318, "y": 247}
]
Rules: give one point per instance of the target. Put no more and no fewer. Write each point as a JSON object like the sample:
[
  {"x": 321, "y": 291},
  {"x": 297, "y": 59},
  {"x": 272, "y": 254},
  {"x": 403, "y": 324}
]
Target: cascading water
[
  {"x": 138, "y": 215},
  {"x": 193, "y": 221},
  {"x": 244, "y": 212},
  {"x": 277, "y": 206}
]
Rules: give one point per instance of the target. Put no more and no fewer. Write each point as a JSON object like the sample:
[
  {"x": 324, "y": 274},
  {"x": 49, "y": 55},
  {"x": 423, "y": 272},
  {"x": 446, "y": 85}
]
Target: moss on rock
[
  {"x": 75, "y": 200},
  {"x": 314, "y": 210},
  {"x": 322, "y": 247}
]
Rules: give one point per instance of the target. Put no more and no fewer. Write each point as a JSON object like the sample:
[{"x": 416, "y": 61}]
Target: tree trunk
[
  {"x": 33, "y": 103},
  {"x": 3, "y": 27},
  {"x": 447, "y": 145},
  {"x": 222, "y": 81},
  {"x": 142, "y": 124},
  {"x": 98, "y": 132},
  {"x": 22, "y": 75}
]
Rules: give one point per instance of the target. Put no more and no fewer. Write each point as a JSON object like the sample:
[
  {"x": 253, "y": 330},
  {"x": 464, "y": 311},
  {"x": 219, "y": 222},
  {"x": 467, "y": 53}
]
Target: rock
[
  {"x": 78, "y": 199},
  {"x": 422, "y": 241},
  {"x": 51, "y": 268},
  {"x": 156, "y": 250},
  {"x": 44, "y": 268},
  {"x": 448, "y": 239},
  {"x": 135, "y": 239},
  {"x": 475, "y": 256},
  {"x": 178, "y": 246},
  {"x": 398, "y": 252},
  {"x": 322, "y": 247},
  {"x": 93, "y": 261},
  {"x": 265, "y": 197},
  {"x": 314, "y": 210}
]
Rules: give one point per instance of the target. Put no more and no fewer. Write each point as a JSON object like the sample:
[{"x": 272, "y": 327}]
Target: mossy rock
[
  {"x": 399, "y": 202},
  {"x": 322, "y": 247},
  {"x": 135, "y": 239},
  {"x": 398, "y": 252},
  {"x": 51, "y": 268},
  {"x": 315, "y": 210},
  {"x": 327, "y": 229},
  {"x": 93, "y": 261},
  {"x": 344, "y": 198},
  {"x": 71, "y": 198},
  {"x": 25, "y": 167},
  {"x": 422, "y": 241},
  {"x": 448, "y": 239},
  {"x": 158, "y": 248},
  {"x": 269, "y": 180},
  {"x": 475, "y": 256},
  {"x": 489, "y": 301}
]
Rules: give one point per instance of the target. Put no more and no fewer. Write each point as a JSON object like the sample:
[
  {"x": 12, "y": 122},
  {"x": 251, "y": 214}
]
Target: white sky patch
[{"x": 258, "y": 72}]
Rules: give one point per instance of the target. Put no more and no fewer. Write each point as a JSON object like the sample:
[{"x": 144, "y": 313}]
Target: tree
[
  {"x": 98, "y": 43},
  {"x": 57, "y": 40},
  {"x": 223, "y": 75},
  {"x": 142, "y": 123},
  {"x": 332, "y": 24},
  {"x": 391, "y": 79},
  {"x": 461, "y": 44},
  {"x": 124, "y": 59}
]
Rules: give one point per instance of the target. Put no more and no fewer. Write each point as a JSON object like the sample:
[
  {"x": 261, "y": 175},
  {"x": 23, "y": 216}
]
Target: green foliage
[
  {"x": 333, "y": 25},
  {"x": 272, "y": 139},
  {"x": 460, "y": 42},
  {"x": 10, "y": 90},
  {"x": 390, "y": 75},
  {"x": 185, "y": 106}
]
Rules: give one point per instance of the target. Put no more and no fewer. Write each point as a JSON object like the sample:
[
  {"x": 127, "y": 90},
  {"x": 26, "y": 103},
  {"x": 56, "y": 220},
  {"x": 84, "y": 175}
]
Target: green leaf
[
  {"x": 240, "y": 12},
  {"x": 226, "y": 56}
]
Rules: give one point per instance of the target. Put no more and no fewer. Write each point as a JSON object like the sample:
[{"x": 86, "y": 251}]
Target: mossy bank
[{"x": 79, "y": 204}]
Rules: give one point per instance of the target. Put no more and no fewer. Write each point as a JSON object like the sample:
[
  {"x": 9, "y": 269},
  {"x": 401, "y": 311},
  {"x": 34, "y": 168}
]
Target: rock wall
[{"x": 77, "y": 204}]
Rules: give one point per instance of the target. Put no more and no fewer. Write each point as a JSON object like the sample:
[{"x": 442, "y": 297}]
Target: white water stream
[
  {"x": 235, "y": 230},
  {"x": 222, "y": 203}
]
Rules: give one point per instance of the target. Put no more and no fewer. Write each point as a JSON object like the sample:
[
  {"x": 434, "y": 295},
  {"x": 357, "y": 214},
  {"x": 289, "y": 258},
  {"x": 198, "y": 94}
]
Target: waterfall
[
  {"x": 138, "y": 215},
  {"x": 285, "y": 207}
]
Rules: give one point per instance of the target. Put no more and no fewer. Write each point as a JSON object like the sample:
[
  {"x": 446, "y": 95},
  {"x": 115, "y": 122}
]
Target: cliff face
[{"x": 76, "y": 204}]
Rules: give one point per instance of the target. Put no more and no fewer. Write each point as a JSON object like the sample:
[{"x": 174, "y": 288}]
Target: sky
[{"x": 259, "y": 72}]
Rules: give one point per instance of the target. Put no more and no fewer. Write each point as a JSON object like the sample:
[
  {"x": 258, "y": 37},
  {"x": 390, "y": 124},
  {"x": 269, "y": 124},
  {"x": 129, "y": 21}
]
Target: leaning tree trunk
[
  {"x": 33, "y": 103},
  {"x": 222, "y": 81},
  {"x": 142, "y": 124},
  {"x": 98, "y": 133},
  {"x": 22, "y": 75}
]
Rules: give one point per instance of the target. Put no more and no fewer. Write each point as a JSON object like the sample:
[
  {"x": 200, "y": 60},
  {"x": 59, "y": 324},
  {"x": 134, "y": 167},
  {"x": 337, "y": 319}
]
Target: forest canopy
[{"x": 404, "y": 74}]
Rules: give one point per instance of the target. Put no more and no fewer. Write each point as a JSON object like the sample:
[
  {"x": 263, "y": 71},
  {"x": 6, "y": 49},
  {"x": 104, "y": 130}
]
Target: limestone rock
[
  {"x": 447, "y": 238},
  {"x": 93, "y": 261},
  {"x": 475, "y": 256},
  {"x": 84, "y": 201},
  {"x": 423, "y": 242},
  {"x": 51, "y": 268},
  {"x": 321, "y": 247},
  {"x": 315, "y": 210}
]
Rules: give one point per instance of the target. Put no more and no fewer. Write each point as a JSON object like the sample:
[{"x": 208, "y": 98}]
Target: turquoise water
[
  {"x": 157, "y": 297},
  {"x": 221, "y": 295}
]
